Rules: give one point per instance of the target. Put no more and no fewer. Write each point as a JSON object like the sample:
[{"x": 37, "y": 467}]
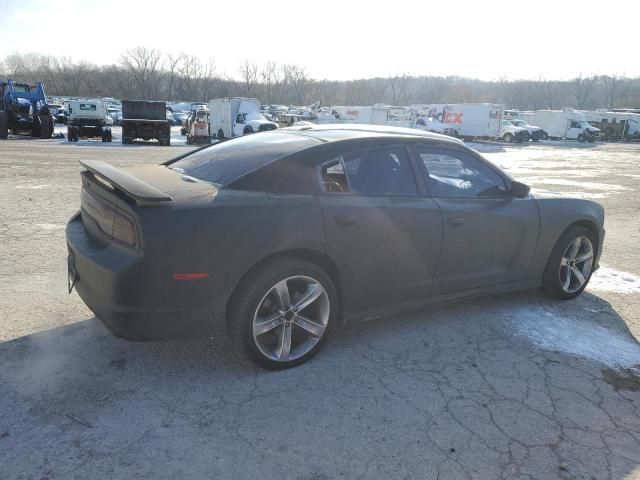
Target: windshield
[{"x": 226, "y": 161}]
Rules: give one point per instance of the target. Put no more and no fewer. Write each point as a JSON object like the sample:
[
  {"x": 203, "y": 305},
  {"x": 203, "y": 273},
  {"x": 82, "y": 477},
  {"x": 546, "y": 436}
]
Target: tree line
[{"x": 148, "y": 73}]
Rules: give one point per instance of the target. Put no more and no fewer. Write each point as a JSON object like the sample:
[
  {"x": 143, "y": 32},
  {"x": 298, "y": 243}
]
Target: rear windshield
[{"x": 228, "y": 161}]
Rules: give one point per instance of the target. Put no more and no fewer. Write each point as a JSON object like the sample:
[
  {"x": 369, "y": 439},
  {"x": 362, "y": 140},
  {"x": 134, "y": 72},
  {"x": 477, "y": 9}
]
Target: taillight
[{"x": 124, "y": 229}]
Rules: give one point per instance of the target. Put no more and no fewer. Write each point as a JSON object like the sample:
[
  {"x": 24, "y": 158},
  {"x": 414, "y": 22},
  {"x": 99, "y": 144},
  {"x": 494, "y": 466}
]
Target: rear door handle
[
  {"x": 346, "y": 219},
  {"x": 455, "y": 221}
]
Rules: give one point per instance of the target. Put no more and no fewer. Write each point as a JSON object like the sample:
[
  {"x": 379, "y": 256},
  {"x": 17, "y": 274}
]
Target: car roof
[{"x": 336, "y": 132}]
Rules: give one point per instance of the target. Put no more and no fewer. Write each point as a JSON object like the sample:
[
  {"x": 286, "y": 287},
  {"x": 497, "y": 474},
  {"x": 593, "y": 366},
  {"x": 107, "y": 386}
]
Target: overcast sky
[{"x": 343, "y": 39}]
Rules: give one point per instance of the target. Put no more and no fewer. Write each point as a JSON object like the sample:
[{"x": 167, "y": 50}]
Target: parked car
[
  {"x": 180, "y": 117},
  {"x": 509, "y": 132},
  {"x": 535, "y": 133},
  {"x": 278, "y": 237}
]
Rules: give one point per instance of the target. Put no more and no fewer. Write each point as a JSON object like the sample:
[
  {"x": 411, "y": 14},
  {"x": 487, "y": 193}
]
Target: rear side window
[
  {"x": 385, "y": 171},
  {"x": 227, "y": 161}
]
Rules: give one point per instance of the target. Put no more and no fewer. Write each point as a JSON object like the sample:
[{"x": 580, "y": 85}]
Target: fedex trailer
[
  {"x": 468, "y": 120},
  {"x": 365, "y": 115},
  {"x": 565, "y": 123}
]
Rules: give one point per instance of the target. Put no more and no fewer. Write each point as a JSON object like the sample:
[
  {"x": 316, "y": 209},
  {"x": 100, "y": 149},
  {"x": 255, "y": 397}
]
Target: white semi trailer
[{"x": 237, "y": 116}]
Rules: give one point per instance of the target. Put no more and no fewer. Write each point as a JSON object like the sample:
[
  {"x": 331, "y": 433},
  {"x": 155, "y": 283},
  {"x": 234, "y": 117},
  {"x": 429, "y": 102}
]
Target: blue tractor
[{"x": 23, "y": 108}]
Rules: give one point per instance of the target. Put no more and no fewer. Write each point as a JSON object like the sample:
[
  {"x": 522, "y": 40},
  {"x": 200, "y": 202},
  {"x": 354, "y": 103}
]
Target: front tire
[
  {"x": 508, "y": 138},
  {"x": 571, "y": 264},
  {"x": 282, "y": 314}
]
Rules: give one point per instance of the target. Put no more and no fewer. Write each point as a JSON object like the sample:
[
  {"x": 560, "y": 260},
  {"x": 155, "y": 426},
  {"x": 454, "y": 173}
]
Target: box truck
[
  {"x": 468, "y": 120},
  {"x": 566, "y": 123},
  {"x": 356, "y": 114},
  {"x": 237, "y": 116},
  {"x": 614, "y": 125}
]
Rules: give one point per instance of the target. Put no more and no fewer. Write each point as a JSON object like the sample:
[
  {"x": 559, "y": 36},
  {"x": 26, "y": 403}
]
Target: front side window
[
  {"x": 456, "y": 174},
  {"x": 574, "y": 124},
  {"x": 240, "y": 118},
  {"x": 373, "y": 172}
]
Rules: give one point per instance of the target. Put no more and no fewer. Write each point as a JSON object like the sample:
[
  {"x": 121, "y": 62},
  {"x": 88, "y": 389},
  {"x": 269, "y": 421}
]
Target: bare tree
[
  {"x": 582, "y": 89},
  {"x": 248, "y": 77},
  {"x": 143, "y": 65},
  {"x": 610, "y": 86}
]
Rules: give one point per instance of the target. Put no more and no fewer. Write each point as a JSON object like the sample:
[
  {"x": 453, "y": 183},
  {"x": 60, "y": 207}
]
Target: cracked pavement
[{"x": 482, "y": 389}]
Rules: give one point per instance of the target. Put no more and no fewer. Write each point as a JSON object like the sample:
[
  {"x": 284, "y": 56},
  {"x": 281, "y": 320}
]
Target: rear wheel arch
[{"x": 325, "y": 262}]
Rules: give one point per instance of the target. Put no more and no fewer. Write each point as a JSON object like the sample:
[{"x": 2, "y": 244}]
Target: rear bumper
[{"x": 131, "y": 292}]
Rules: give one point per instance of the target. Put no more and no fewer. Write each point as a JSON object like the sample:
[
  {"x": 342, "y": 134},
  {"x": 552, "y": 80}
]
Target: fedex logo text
[{"x": 452, "y": 117}]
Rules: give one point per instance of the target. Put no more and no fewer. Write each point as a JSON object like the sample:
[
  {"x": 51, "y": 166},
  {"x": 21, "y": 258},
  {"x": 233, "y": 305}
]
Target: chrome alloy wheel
[
  {"x": 291, "y": 318},
  {"x": 576, "y": 264}
]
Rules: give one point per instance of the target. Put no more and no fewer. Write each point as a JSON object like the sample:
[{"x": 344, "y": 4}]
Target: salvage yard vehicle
[
  {"x": 565, "y": 123},
  {"x": 197, "y": 126},
  {"x": 88, "y": 119},
  {"x": 509, "y": 132},
  {"x": 145, "y": 120},
  {"x": 614, "y": 125},
  {"x": 468, "y": 120},
  {"x": 237, "y": 116},
  {"x": 535, "y": 133},
  {"x": 23, "y": 108},
  {"x": 278, "y": 237}
]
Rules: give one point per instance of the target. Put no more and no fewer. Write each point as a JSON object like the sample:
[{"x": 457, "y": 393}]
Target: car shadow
[{"x": 478, "y": 386}]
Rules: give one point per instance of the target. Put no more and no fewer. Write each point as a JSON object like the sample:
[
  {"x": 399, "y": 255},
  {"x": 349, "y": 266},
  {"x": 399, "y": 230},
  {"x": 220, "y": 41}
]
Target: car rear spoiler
[{"x": 140, "y": 191}]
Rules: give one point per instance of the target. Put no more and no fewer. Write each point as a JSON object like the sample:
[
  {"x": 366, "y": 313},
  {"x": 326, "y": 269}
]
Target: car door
[
  {"x": 238, "y": 125},
  {"x": 573, "y": 129},
  {"x": 382, "y": 230},
  {"x": 489, "y": 236}
]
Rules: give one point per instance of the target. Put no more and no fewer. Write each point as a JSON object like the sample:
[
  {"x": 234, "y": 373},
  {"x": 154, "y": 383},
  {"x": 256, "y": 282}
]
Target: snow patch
[
  {"x": 32, "y": 187},
  {"x": 607, "y": 279},
  {"x": 580, "y": 337},
  {"x": 49, "y": 226}
]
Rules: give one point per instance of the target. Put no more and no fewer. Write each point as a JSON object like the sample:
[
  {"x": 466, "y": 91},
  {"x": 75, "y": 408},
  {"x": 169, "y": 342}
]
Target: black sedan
[{"x": 277, "y": 237}]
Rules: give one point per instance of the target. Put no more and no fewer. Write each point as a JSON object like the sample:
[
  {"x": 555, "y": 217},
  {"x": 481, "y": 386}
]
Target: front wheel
[
  {"x": 283, "y": 313},
  {"x": 582, "y": 138},
  {"x": 507, "y": 137},
  {"x": 570, "y": 265}
]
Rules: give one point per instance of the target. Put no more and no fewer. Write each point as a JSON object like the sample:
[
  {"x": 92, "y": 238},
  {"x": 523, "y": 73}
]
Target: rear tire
[
  {"x": 258, "y": 297},
  {"x": 4, "y": 125},
  {"x": 560, "y": 278},
  {"x": 220, "y": 135}
]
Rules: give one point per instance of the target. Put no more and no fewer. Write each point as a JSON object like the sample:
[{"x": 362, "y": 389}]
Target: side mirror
[{"x": 519, "y": 190}]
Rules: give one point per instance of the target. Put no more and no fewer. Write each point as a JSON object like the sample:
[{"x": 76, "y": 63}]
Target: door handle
[
  {"x": 455, "y": 221},
  {"x": 346, "y": 219}
]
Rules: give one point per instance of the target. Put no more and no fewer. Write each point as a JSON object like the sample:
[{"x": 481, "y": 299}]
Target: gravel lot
[{"x": 513, "y": 386}]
